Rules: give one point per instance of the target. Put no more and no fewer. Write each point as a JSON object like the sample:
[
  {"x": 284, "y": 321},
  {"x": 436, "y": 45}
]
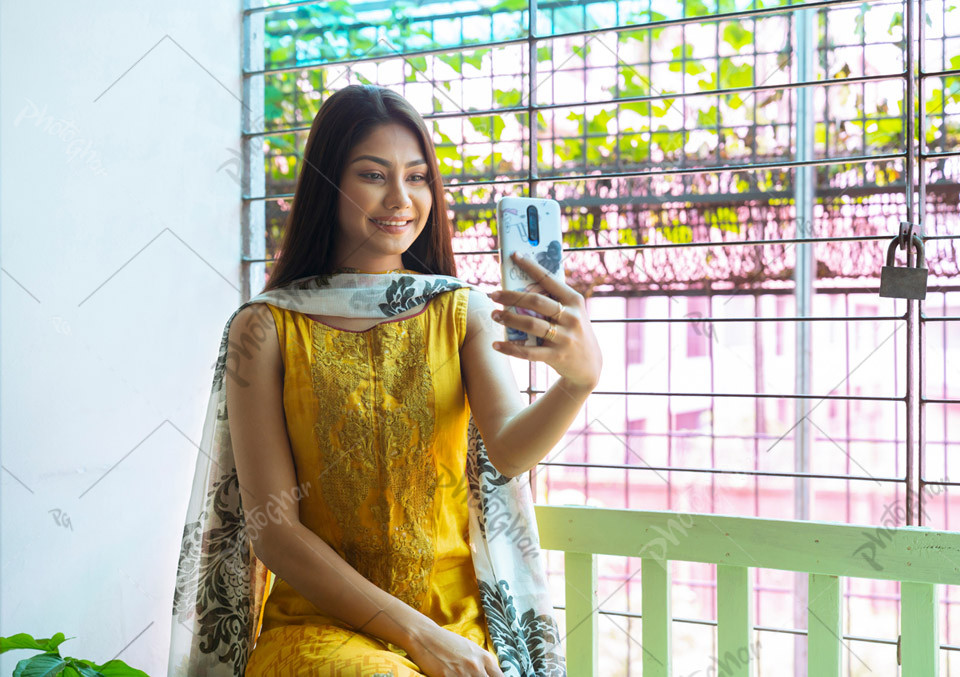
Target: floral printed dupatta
[{"x": 220, "y": 582}]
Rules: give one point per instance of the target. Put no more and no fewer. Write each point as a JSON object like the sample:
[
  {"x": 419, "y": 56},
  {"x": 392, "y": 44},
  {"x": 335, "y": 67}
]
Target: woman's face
[{"x": 385, "y": 178}]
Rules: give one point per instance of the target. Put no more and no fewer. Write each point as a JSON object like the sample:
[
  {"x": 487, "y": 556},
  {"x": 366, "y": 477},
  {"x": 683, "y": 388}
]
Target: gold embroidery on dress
[{"x": 374, "y": 431}]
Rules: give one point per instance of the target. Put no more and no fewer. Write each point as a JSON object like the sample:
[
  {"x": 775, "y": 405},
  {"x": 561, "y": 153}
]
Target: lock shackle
[{"x": 892, "y": 250}]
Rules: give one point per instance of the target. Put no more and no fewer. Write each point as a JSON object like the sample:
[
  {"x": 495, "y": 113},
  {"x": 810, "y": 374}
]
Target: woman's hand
[
  {"x": 441, "y": 653},
  {"x": 574, "y": 351}
]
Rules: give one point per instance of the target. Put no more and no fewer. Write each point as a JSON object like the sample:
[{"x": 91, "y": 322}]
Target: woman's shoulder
[
  {"x": 253, "y": 336},
  {"x": 253, "y": 314}
]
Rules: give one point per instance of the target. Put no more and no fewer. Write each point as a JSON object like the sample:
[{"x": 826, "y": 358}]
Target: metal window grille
[{"x": 711, "y": 202}]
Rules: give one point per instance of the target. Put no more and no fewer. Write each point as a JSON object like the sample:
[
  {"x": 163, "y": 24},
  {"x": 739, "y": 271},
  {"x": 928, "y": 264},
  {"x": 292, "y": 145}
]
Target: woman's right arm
[{"x": 265, "y": 469}]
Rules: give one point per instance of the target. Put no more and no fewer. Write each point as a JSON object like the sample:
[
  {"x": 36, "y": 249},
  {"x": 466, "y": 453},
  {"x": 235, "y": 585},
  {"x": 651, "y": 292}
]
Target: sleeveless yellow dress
[{"x": 377, "y": 421}]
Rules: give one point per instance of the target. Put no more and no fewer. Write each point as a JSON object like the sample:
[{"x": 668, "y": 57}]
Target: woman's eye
[{"x": 377, "y": 175}]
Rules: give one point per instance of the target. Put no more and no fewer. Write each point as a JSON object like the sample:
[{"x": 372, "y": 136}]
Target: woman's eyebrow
[{"x": 386, "y": 163}]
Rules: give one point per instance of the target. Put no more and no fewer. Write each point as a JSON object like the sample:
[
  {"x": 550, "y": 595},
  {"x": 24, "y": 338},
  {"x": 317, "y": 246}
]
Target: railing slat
[
  {"x": 734, "y": 622},
  {"x": 580, "y": 575},
  {"x": 824, "y": 628},
  {"x": 919, "y": 637},
  {"x": 655, "y": 610}
]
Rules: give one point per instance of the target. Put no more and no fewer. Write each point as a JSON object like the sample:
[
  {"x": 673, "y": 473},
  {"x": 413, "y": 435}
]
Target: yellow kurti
[{"x": 377, "y": 421}]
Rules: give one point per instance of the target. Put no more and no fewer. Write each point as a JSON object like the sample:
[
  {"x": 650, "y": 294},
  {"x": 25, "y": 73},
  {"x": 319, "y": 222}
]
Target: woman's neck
[{"x": 352, "y": 269}]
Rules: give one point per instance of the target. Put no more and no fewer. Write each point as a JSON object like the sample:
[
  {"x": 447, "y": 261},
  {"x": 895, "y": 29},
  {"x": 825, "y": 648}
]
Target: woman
[{"x": 363, "y": 421}]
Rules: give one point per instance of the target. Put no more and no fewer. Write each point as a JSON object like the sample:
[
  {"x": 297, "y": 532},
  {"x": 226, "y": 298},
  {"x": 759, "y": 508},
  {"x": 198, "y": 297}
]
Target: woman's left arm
[{"x": 518, "y": 437}]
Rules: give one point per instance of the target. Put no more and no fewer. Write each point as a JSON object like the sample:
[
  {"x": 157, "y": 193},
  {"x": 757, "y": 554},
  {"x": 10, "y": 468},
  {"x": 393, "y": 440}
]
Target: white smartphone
[{"x": 532, "y": 226}]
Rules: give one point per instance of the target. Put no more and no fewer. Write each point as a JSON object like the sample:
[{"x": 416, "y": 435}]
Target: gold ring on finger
[{"x": 551, "y": 333}]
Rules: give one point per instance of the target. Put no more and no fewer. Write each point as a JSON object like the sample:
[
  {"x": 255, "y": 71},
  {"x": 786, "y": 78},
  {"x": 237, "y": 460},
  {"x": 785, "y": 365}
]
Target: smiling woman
[
  {"x": 371, "y": 163},
  {"x": 396, "y": 579},
  {"x": 348, "y": 385},
  {"x": 384, "y": 201}
]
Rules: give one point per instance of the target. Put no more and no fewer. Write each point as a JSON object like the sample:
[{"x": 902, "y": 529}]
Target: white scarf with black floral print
[{"x": 221, "y": 583}]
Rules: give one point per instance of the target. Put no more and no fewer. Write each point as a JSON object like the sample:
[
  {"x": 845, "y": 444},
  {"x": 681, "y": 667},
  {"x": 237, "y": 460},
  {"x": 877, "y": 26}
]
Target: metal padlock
[{"x": 903, "y": 282}]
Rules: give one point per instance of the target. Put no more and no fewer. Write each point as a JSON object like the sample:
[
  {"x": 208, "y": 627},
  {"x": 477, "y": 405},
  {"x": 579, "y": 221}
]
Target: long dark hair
[{"x": 344, "y": 120}]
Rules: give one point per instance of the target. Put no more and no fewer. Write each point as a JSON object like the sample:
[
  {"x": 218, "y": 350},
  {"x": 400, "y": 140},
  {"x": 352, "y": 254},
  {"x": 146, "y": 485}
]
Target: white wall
[{"x": 120, "y": 266}]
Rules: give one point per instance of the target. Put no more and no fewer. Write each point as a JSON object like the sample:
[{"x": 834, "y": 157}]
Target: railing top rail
[{"x": 915, "y": 554}]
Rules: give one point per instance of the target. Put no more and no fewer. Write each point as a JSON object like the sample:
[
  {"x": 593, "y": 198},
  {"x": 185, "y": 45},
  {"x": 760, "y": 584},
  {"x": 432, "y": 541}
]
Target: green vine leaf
[
  {"x": 510, "y": 5},
  {"x": 736, "y": 36},
  {"x": 452, "y": 60},
  {"x": 483, "y": 125},
  {"x": 507, "y": 97},
  {"x": 707, "y": 118}
]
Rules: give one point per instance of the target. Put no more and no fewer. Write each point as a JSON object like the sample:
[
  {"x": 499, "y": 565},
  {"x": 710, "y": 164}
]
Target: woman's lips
[{"x": 392, "y": 229}]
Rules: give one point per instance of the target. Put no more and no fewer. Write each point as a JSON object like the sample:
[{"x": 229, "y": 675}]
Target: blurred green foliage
[{"x": 619, "y": 136}]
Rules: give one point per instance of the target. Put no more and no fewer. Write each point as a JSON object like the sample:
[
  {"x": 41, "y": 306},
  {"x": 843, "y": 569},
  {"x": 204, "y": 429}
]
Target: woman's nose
[{"x": 398, "y": 197}]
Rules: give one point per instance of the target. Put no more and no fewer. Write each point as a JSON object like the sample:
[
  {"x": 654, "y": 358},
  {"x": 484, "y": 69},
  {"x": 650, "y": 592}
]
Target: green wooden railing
[{"x": 918, "y": 557}]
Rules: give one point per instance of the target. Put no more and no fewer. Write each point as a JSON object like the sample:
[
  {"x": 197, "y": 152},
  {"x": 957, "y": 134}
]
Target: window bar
[
  {"x": 252, "y": 174},
  {"x": 921, "y": 220},
  {"x": 911, "y": 367},
  {"x": 804, "y": 275},
  {"x": 532, "y": 168}
]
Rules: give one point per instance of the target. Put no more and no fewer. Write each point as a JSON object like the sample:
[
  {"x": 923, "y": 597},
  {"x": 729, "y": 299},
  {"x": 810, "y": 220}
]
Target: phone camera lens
[{"x": 533, "y": 225}]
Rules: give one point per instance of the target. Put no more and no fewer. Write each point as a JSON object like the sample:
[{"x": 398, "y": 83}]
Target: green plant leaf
[
  {"x": 569, "y": 149},
  {"x": 633, "y": 148},
  {"x": 707, "y": 118},
  {"x": 736, "y": 36},
  {"x": 452, "y": 60},
  {"x": 660, "y": 108},
  {"x": 574, "y": 116},
  {"x": 668, "y": 141},
  {"x": 643, "y": 17},
  {"x": 507, "y": 97},
  {"x": 475, "y": 58},
  {"x": 81, "y": 668},
  {"x": 508, "y": 5},
  {"x": 696, "y": 8},
  {"x": 418, "y": 64},
  {"x": 895, "y": 22},
  {"x": 678, "y": 234},
  {"x": 117, "y": 668},
  {"x": 598, "y": 123},
  {"x": 735, "y": 76},
  {"x": 25, "y": 641},
  {"x": 581, "y": 51},
  {"x": 482, "y": 125},
  {"x": 641, "y": 107},
  {"x": 708, "y": 83},
  {"x": 44, "y": 665},
  {"x": 626, "y": 236}
]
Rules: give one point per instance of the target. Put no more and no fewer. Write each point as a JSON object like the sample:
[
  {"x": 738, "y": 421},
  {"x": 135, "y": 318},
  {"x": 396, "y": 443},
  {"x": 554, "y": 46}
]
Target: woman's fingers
[
  {"x": 525, "y": 322},
  {"x": 551, "y": 284},
  {"x": 528, "y": 302}
]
